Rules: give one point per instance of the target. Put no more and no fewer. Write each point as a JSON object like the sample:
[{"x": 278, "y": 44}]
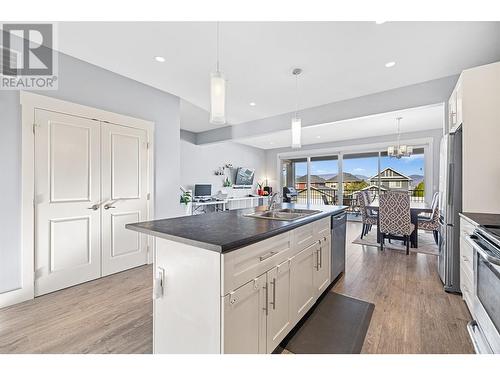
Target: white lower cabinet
[
  {"x": 279, "y": 318},
  {"x": 301, "y": 282},
  {"x": 257, "y": 315},
  {"x": 321, "y": 274},
  {"x": 245, "y": 311},
  {"x": 466, "y": 264}
]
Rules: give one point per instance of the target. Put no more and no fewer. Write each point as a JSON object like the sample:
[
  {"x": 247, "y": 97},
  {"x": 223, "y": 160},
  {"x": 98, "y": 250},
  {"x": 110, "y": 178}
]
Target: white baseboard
[{"x": 16, "y": 296}]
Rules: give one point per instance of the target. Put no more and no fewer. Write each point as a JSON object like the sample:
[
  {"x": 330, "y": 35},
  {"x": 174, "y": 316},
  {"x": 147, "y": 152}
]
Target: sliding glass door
[
  {"x": 294, "y": 174},
  {"x": 323, "y": 187},
  {"x": 360, "y": 172},
  {"x": 338, "y": 179}
]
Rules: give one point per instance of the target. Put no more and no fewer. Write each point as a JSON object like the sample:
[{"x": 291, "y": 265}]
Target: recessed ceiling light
[
  {"x": 318, "y": 136},
  {"x": 160, "y": 58},
  {"x": 390, "y": 64},
  {"x": 252, "y": 104},
  {"x": 271, "y": 143},
  {"x": 380, "y": 22}
]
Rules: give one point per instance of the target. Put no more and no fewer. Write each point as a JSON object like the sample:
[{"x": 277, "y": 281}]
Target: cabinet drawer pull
[
  {"x": 268, "y": 255},
  {"x": 274, "y": 293}
]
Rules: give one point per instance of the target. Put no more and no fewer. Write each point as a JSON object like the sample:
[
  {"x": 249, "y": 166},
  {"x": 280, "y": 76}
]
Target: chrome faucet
[{"x": 272, "y": 201}]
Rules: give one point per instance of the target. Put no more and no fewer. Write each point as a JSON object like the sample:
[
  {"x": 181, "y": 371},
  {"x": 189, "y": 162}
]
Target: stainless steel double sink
[{"x": 284, "y": 214}]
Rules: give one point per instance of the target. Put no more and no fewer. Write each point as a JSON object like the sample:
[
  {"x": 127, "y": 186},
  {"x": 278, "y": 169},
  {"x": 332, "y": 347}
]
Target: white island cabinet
[{"x": 242, "y": 301}]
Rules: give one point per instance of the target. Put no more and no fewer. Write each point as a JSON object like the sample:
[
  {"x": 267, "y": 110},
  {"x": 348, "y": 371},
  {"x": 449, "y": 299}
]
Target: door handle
[
  {"x": 94, "y": 207},
  {"x": 274, "y": 293},
  {"x": 320, "y": 252},
  {"x": 159, "y": 283},
  {"x": 108, "y": 206},
  {"x": 266, "y": 305}
]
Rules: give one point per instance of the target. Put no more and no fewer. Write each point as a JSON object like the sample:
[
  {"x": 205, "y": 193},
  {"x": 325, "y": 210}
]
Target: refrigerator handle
[{"x": 451, "y": 177}]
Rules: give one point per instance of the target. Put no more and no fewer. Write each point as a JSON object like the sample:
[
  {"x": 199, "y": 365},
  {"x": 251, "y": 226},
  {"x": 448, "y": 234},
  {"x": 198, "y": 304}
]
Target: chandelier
[{"x": 399, "y": 150}]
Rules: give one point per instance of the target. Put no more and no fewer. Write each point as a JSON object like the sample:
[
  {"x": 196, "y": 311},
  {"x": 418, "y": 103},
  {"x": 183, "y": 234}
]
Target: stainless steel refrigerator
[{"x": 450, "y": 188}]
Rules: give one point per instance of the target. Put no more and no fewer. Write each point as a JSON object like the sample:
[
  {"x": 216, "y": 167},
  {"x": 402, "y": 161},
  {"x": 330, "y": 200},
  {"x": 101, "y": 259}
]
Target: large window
[
  {"x": 404, "y": 174},
  {"x": 318, "y": 179},
  {"x": 294, "y": 174},
  {"x": 323, "y": 183},
  {"x": 360, "y": 172}
]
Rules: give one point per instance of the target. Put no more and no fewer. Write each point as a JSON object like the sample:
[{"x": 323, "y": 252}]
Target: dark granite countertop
[
  {"x": 481, "y": 219},
  {"x": 228, "y": 230}
]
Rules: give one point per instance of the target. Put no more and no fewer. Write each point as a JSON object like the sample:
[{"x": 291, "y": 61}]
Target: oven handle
[
  {"x": 481, "y": 251},
  {"x": 480, "y": 347}
]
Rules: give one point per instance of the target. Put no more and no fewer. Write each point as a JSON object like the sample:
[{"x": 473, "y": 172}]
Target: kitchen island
[{"x": 234, "y": 281}]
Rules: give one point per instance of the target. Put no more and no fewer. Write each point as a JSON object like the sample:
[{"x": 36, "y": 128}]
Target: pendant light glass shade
[
  {"x": 296, "y": 132},
  {"x": 217, "y": 98},
  {"x": 296, "y": 121}
]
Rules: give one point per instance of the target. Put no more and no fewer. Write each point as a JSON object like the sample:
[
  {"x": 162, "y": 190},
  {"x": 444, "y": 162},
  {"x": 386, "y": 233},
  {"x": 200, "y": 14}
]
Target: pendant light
[
  {"x": 296, "y": 121},
  {"x": 217, "y": 92},
  {"x": 399, "y": 150}
]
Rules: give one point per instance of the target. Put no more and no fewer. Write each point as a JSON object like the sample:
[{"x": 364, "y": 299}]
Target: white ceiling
[
  {"x": 341, "y": 60},
  {"x": 415, "y": 119}
]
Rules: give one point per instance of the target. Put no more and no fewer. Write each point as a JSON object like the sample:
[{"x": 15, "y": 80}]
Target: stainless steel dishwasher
[{"x": 339, "y": 224}]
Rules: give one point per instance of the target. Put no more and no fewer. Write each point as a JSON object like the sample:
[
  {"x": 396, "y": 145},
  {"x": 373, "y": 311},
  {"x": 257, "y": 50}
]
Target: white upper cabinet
[{"x": 478, "y": 100}]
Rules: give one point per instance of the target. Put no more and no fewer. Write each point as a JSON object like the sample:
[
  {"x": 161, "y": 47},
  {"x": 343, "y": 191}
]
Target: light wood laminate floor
[
  {"x": 108, "y": 315},
  {"x": 412, "y": 312},
  {"x": 114, "y": 314}
]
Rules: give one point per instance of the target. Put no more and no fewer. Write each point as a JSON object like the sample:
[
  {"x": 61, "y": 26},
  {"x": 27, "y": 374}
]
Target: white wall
[
  {"x": 199, "y": 162},
  {"x": 85, "y": 84}
]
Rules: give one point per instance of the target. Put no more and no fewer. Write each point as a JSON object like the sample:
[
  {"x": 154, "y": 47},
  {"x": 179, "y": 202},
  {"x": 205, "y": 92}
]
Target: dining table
[{"x": 416, "y": 208}]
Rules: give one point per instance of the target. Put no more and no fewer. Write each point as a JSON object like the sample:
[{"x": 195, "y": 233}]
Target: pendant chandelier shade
[
  {"x": 296, "y": 121},
  {"x": 398, "y": 151},
  {"x": 217, "y": 92}
]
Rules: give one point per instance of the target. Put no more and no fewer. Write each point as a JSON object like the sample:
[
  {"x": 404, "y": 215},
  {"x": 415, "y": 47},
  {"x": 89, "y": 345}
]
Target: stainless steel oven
[{"x": 485, "y": 329}]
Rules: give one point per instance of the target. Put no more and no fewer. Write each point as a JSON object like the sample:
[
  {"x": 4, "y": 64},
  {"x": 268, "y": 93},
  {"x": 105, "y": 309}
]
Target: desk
[
  {"x": 415, "y": 209},
  {"x": 219, "y": 205}
]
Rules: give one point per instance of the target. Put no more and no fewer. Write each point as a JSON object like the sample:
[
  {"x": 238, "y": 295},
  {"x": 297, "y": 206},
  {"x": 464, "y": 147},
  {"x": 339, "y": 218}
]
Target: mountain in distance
[
  {"x": 326, "y": 176},
  {"x": 416, "y": 179},
  {"x": 362, "y": 177}
]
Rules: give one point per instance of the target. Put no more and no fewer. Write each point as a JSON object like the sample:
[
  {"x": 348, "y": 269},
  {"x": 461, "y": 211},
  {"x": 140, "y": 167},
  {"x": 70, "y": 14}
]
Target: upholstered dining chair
[
  {"x": 431, "y": 223},
  {"x": 367, "y": 218},
  {"x": 394, "y": 218},
  {"x": 427, "y": 215}
]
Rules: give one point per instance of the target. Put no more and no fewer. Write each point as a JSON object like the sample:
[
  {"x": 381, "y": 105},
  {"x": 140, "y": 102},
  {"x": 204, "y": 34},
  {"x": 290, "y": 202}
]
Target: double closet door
[{"x": 91, "y": 178}]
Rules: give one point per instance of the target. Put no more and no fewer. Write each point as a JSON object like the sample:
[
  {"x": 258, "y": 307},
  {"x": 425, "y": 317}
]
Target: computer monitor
[{"x": 202, "y": 190}]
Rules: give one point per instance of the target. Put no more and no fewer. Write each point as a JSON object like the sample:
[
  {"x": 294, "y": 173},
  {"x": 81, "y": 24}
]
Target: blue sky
[{"x": 365, "y": 166}]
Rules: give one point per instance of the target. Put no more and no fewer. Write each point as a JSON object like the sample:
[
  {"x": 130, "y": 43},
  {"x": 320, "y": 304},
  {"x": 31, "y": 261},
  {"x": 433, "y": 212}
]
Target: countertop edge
[
  {"x": 226, "y": 248},
  {"x": 465, "y": 217},
  {"x": 170, "y": 237},
  {"x": 481, "y": 218}
]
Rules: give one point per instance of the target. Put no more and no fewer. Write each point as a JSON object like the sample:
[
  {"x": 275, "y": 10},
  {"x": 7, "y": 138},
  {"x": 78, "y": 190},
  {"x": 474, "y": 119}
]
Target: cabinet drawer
[
  {"x": 303, "y": 236},
  {"x": 467, "y": 288},
  {"x": 322, "y": 227},
  {"x": 244, "y": 264},
  {"x": 466, "y": 255}
]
